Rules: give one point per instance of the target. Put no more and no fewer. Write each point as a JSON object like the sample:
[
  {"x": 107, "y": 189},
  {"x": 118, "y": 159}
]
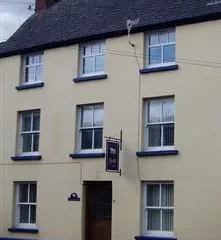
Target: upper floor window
[
  {"x": 91, "y": 119},
  {"x": 33, "y": 68},
  {"x": 159, "y": 123},
  {"x": 29, "y": 132},
  {"x": 161, "y": 48},
  {"x": 158, "y": 208},
  {"x": 92, "y": 58},
  {"x": 26, "y": 199}
]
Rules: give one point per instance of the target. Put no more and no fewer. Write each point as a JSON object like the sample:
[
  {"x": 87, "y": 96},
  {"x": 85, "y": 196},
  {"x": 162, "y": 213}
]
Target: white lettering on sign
[{"x": 113, "y": 151}]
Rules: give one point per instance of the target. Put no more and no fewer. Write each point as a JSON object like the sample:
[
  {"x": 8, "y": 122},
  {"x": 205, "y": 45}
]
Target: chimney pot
[{"x": 41, "y": 5}]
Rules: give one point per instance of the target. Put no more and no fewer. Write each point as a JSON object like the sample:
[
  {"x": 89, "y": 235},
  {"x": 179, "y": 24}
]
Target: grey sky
[{"x": 12, "y": 14}]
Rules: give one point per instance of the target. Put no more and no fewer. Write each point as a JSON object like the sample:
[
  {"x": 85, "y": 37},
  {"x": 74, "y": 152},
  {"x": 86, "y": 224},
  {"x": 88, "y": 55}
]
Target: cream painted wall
[{"x": 195, "y": 170}]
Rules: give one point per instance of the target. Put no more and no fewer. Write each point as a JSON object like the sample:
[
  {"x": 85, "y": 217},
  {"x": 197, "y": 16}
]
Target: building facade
[{"x": 59, "y": 102}]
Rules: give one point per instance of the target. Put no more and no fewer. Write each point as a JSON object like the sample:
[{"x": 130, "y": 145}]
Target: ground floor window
[
  {"x": 25, "y": 210},
  {"x": 158, "y": 208}
]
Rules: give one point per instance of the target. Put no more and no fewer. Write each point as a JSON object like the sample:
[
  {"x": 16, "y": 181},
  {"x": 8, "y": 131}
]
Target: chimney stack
[{"x": 41, "y": 5}]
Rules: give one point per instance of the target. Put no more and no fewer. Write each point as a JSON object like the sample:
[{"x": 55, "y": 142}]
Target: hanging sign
[{"x": 112, "y": 156}]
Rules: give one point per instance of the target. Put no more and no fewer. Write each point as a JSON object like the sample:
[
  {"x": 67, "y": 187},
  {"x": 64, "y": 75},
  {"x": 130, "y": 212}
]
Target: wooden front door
[{"x": 98, "y": 211}]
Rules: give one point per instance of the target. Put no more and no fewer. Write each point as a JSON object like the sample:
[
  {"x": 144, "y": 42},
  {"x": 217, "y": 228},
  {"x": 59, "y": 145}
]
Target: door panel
[{"x": 98, "y": 211}]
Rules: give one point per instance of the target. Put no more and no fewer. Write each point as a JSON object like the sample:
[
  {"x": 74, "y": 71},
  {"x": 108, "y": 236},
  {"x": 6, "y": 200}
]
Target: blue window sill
[
  {"x": 154, "y": 238},
  {"x": 159, "y": 69},
  {"x": 156, "y": 153},
  {"x": 23, "y": 230},
  {"x": 87, "y": 155},
  {"x": 90, "y": 78},
  {"x": 30, "y": 86},
  {"x": 26, "y": 158}
]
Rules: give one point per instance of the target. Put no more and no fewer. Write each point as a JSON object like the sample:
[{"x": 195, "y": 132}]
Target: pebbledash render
[{"x": 70, "y": 77}]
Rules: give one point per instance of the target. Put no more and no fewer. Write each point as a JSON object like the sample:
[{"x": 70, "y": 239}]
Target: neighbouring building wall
[{"x": 195, "y": 170}]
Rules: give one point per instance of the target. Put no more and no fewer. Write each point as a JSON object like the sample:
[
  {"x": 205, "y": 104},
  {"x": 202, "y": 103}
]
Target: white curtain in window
[
  {"x": 87, "y": 116},
  {"x": 153, "y": 195},
  {"x": 167, "y": 195},
  {"x": 98, "y": 115},
  {"x": 168, "y": 110},
  {"x": 154, "y": 111}
]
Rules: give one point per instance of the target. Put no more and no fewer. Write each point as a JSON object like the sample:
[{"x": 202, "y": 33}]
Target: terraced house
[{"x": 146, "y": 72}]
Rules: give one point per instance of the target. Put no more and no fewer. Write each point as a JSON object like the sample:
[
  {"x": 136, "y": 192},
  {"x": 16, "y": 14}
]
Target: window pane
[
  {"x": 26, "y": 74},
  {"x": 163, "y": 37},
  {"x": 168, "y": 110},
  {"x": 98, "y": 115},
  {"x": 86, "y": 138},
  {"x": 31, "y": 59},
  {"x": 153, "y": 219},
  {"x": 102, "y": 47},
  {"x": 87, "y": 50},
  {"x": 26, "y": 122},
  {"x": 23, "y": 193},
  {"x": 99, "y": 63},
  {"x": 26, "y": 142},
  {"x": 33, "y": 214},
  {"x": 24, "y": 212},
  {"x": 154, "y": 111},
  {"x": 167, "y": 220},
  {"x": 172, "y": 36},
  {"x": 36, "y": 120},
  {"x": 36, "y": 59},
  {"x": 167, "y": 195},
  {"x": 95, "y": 48},
  {"x": 168, "y": 134},
  {"x": 169, "y": 53},
  {"x": 39, "y": 73},
  {"x": 35, "y": 142},
  {"x": 27, "y": 61},
  {"x": 154, "y": 135},
  {"x": 40, "y": 58},
  {"x": 29, "y": 74},
  {"x": 153, "y": 195},
  {"x": 88, "y": 64},
  {"x": 98, "y": 137},
  {"x": 153, "y": 39},
  {"x": 32, "y": 194},
  {"x": 154, "y": 55},
  {"x": 87, "y": 116}
]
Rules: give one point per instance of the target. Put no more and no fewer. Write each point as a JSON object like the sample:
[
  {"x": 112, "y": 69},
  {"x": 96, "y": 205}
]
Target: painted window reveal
[
  {"x": 159, "y": 123},
  {"x": 29, "y": 132},
  {"x": 91, "y": 127},
  {"x": 33, "y": 68},
  {"x": 92, "y": 58},
  {"x": 161, "y": 48},
  {"x": 158, "y": 208},
  {"x": 26, "y": 200}
]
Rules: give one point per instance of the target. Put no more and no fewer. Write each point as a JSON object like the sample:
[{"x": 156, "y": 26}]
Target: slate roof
[
  {"x": 74, "y": 21},
  {"x": 1, "y": 45}
]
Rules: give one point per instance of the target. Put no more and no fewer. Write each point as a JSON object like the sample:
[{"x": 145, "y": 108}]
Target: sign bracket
[{"x": 117, "y": 139}]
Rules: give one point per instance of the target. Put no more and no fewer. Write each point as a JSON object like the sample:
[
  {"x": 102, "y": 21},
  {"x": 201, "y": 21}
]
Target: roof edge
[{"x": 179, "y": 22}]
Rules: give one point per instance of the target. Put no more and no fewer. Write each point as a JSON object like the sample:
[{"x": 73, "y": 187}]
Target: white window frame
[
  {"x": 148, "y": 46},
  {"x": 146, "y": 124},
  {"x": 31, "y": 65},
  {"x": 82, "y": 56},
  {"x": 145, "y": 212},
  {"x": 21, "y": 134},
  {"x": 79, "y": 136},
  {"x": 17, "y": 207}
]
